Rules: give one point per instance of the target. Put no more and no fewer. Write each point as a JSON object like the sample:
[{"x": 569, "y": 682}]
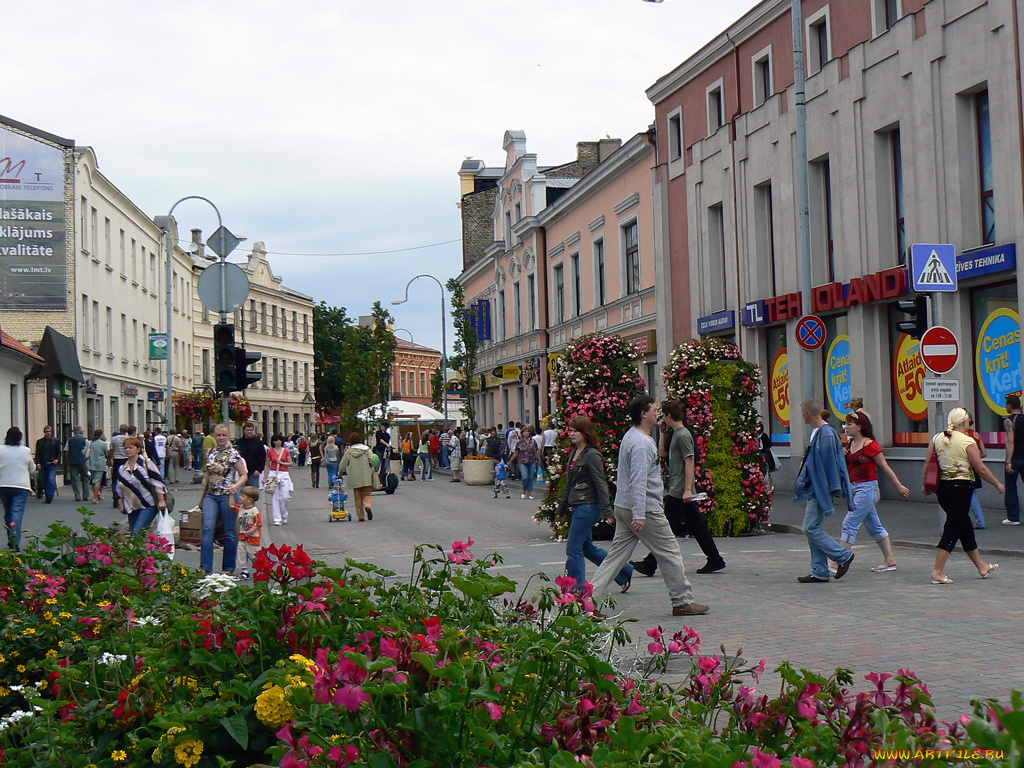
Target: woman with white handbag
[
  {"x": 278, "y": 483},
  {"x": 140, "y": 487}
]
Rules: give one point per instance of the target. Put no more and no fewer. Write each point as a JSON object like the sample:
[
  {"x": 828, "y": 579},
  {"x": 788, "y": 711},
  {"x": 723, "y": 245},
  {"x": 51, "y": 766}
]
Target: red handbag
[{"x": 931, "y": 474}]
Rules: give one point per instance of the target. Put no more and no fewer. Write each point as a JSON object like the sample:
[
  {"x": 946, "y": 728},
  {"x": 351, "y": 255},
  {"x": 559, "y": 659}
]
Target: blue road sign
[
  {"x": 810, "y": 332},
  {"x": 933, "y": 267}
]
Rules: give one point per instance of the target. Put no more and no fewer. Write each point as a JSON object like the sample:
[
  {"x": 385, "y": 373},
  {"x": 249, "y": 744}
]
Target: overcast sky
[{"x": 334, "y": 129}]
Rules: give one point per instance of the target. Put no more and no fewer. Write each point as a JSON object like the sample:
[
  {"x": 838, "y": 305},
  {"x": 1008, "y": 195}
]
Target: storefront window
[
  {"x": 838, "y": 385},
  {"x": 909, "y": 409},
  {"x": 996, "y": 346},
  {"x": 777, "y": 374}
]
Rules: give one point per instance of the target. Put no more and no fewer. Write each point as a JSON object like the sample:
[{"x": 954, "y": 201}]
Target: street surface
[{"x": 961, "y": 639}]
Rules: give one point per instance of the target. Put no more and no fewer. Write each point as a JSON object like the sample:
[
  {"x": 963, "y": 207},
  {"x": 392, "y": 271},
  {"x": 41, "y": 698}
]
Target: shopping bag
[{"x": 165, "y": 528}]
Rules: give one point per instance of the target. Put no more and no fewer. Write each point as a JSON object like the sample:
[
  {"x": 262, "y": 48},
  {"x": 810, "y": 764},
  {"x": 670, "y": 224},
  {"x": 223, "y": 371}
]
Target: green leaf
[
  {"x": 469, "y": 587},
  {"x": 238, "y": 727},
  {"x": 381, "y": 760}
]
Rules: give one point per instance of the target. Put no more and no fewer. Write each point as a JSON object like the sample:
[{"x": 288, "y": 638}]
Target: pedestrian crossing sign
[{"x": 933, "y": 267}]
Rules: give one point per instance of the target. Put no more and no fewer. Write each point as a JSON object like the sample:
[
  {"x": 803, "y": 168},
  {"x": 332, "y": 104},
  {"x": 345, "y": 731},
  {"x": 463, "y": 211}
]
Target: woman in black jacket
[{"x": 585, "y": 496}]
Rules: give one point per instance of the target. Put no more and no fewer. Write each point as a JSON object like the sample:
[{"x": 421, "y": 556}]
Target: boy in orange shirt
[{"x": 250, "y": 528}]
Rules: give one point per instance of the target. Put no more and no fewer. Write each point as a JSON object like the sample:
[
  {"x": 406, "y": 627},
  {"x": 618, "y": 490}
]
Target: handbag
[
  {"x": 165, "y": 528},
  {"x": 270, "y": 485},
  {"x": 376, "y": 484},
  {"x": 931, "y": 473}
]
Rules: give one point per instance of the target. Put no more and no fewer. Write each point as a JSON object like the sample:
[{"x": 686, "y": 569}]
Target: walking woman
[
  {"x": 225, "y": 475},
  {"x": 585, "y": 497},
  {"x": 408, "y": 458},
  {"x": 358, "y": 465},
  {"x": 315, "y": 457},
  {"x": 16, "y": 468},
  {"x": 278, "y": 482},
  {"x": 959, "y": 463},
  {"x": 140, "y": 487},
  {"x": 979, "y": 516},
  {"x": 332, "y": 457},
  {"x": 526, "y": 455},
  {"x": 863, "y": 459},
  {"x": 96, "y": 460},
  {"x": 426, "y": 463}
]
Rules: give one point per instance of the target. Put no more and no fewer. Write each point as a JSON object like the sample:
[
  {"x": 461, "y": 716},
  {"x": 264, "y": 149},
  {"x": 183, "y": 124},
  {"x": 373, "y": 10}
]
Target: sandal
[
  {"x": 883, "y": 568},
  {"x": 991, "y": 567},
  {"x": 944, "y": 580},
  {"x": 628, "y": 584}
]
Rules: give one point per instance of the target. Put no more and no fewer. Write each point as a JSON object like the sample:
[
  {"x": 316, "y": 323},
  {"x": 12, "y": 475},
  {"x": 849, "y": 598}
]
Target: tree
[
  {"x": 382, "y": 353},
  {"x": 437, "y": 390},
  {"x": 466, "y": 345}
]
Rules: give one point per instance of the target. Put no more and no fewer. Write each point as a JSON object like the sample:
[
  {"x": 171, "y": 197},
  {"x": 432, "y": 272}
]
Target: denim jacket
[{"x": 823, "y": 475}]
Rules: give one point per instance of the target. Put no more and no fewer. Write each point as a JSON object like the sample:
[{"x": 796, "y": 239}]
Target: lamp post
[
  {"x": 164, "y": 223},
  {"x": 444, "y": 342},
  {"x": 406, "y": 330}
]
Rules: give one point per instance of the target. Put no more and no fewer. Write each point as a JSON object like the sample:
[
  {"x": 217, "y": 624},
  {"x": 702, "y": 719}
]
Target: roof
[
  {"x": 410, "y": 346},
  {"x": 60, "y": 357},
  {"x": 8, "y": 341}
]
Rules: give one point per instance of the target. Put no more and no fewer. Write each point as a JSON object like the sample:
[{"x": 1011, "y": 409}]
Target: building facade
[
  {"x": 571, "y": 252},
  {"x": 914, "y": 131},
  {"x": 412, "y": 371}
]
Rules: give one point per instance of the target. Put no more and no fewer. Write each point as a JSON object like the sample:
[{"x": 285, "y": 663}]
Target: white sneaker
[
  {"x": 522, "y": 495},
  {"x": 1011, "y": 522},
  {"x": 277, "y": 522}
]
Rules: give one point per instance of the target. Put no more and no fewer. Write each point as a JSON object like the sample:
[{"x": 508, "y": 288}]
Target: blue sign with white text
[
  {"x": 719, "y": 321},
  {"x": 999, "y": 258},
  {"x": 933, "y": 267}
]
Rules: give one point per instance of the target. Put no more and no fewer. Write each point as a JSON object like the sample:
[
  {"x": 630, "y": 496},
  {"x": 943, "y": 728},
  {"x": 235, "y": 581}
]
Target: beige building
[{"x": 276, "y": 322}]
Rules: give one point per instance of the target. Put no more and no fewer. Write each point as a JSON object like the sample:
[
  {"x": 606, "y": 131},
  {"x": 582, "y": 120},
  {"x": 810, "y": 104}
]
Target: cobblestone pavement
[{"x": 961, "y": 639}]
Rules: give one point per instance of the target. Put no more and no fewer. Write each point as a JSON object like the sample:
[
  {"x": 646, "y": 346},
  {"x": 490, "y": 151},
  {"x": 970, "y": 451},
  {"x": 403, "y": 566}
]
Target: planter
[{"x": 478, "y": 471}]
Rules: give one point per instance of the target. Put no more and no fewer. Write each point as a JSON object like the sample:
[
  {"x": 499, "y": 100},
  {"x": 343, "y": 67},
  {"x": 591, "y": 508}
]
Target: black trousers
[
  {"x": 679, "y": 512},
  {"x": 955, "y": 499}
]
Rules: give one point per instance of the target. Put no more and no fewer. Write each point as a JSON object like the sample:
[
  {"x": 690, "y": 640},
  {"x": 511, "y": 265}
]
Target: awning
[{"x": 60, "y": 355}]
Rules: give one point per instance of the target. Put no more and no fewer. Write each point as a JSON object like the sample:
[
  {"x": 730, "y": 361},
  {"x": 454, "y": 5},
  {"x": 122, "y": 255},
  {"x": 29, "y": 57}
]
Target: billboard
[{"x": 33, "y": 256}]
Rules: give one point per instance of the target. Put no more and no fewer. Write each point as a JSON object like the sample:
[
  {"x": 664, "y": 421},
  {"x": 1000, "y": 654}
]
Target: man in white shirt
[
  {"x": 455, "y": 457},
  {"x": 160, "y": 441}
]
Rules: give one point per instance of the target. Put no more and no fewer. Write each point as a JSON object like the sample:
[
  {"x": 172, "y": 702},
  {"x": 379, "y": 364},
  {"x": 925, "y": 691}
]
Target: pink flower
[
  {"x": 493, "y": 709},
  {"x": 801, "y": 762},
  {"x": 764, "y": 759},
  {"x": 460, "y": 552}
]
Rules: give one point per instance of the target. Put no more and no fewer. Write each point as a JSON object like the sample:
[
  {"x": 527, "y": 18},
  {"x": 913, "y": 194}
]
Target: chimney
[
  {"x": 606, "y": 147},
  {"x": 198, "y": 249}
]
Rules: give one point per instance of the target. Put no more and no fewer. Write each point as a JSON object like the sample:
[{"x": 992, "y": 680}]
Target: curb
[{"x": 786, "y": 528}]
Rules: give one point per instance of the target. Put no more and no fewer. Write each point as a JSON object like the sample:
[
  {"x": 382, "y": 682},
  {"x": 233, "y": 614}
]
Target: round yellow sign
[
  {"x": 778, "y": 387},
  {"x": 908, "y": 375}
]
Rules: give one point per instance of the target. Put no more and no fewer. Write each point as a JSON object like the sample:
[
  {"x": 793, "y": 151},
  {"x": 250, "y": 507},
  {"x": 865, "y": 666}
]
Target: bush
[{"x": 114, "y": 656}]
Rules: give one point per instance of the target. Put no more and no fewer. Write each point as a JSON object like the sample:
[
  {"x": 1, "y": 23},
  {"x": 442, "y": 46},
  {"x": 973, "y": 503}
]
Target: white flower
[
  {"x": 215, "y": 583},
  {"x": 17, "y": 688},
  {"x": 153, "y": 620},
  {"x": 109, "y": 659}
]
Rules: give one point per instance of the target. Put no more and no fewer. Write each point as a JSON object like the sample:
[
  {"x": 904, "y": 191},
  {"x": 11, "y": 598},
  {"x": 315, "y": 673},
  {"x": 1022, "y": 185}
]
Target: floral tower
[
  {"x": 597, "y": 377},
  {"x": 718, "y": 389}
]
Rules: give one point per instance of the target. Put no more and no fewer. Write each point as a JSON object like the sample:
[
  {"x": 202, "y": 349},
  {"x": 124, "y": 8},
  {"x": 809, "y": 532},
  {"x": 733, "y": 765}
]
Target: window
[
  {"x": 206, "y": 367},
  {"x": 423, "y": 384},
  {"x": 983, "y": 127},
  {"x": 631, "y": 250},
  {"x": 716, "y": 107},
  {"x": 153, "y": 282},
  {"x": 508, "y": 230},
  {"x": 135, "y": 341},
  {"x": 558, "y": 291},
  {"x": 819, "y": 46},
  {"x": 110, "y": 331},
  {"x": 899, "y": 212},
  {"x": 295, "y": 325},
  {"x": 909, "y": 410},
  {"x": 85, "y": 321},
  {"x": 305, "y": 327},
  {"x": 764, "y": 242},
  {"x": 94, "y": 233},
  {"x": 822, "y": 245},
  {"x": 273, "y": 321},
  {"x": 305, "y": 376},
  {"x": 95, "y": 326},
  {"x": 124, "y": 335},
  {"x": 600, "y": 275},
  {"x": 885, "y": 13},
  {"x": 519, "y": 212},
  {"x": 531, "y": 302},
  {"x": 404, "y": 391},
  {"x": 135, "y": 274},
  {"x": 779, "y": 409},
  {"x": 83, "y": 233},
  {"x": 500, "y": 307},
  {"x": 762, "y": 63},
  {"x": 106, "y": 241},
  {"x": 996, "y": 364},
  {"x": 675, "y": 135},
  {"x": 295, "y": 375},
  {"x": 577, "y": 303},
  {"x": 263, "y": 317},
  {"x": 124, "y": 256},
  {"x": 517, "y": 304},
  {"x": 716, "y": 257}
]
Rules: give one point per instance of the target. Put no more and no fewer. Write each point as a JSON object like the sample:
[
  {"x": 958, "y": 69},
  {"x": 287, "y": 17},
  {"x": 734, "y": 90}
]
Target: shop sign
[
  {"x": 507, "y": 373},
  {"x": 154, "y": 395},
  {"x": 718, "y": 321},
  {"x": 887, "y": 284},
  {"x": 480, "y": 318},
  {"x": 646, "y": 343},
  {"x": 553, "y": 358},
  {"x": 763, "y": 311},
  {"x": 999, "y": 258},
  {"x": 531, "y": 370},
  {"x": 997, "y": 358},
  {"x": 837, "y": 375},
  {"x": 158, "y": 346},
  {"x": 129, "y": 390},
  {"x": 908, "y": 378},
  {"x": 778, "y": 387}
]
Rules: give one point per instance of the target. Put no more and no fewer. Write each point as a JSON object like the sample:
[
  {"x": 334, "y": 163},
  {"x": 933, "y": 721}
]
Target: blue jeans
[
  {"x": 528, "y": 474},
  {"x": 581, "y": 545},
  {"x": 214, "y": 505},
  {"x": 47, "y": 480},
  {"x": 1010, "y": 499},
  {"x": 14, "y": 510},
  {"x": 141, "y": 519},
  {"x": 863, "y": 497},
  {"x": 822, "y": 545},
  {"x": 332, "y": 472},
  {"x": 426, "y": 467},
  {"x": 976, "y": 509}
]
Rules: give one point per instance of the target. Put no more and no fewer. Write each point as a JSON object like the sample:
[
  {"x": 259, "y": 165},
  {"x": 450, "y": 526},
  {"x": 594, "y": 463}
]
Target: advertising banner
[
  {"x": 33, "y": 258},
  {"x": 908, "y": 378},
  {"x": 778, "y": 387},
  {"x": 997, "y": 358},
  {"x": 837, "y": 376},
  {"x": 158, "y": 346}
]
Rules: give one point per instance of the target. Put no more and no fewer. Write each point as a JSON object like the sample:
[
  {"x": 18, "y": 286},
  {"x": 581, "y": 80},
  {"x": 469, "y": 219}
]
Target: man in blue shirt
[{"x": 75, "y": 450}]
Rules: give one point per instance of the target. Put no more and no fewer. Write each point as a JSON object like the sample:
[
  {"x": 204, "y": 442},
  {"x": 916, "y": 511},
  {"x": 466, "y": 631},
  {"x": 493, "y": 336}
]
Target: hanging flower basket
[
  {"x": 204, "y": 406},
  {"x": 718, "y": 388}
]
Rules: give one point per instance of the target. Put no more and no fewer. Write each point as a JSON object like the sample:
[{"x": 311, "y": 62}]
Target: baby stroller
[{"x": 338, "y": 497}]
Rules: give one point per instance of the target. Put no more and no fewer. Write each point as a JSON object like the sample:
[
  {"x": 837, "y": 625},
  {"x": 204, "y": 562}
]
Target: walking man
[
  {"x": 253, "y": 452},
  {"x": 822, "y": 476},
  {"x": 1013, "y": 425},
  {"x": 160, "y": 442},
  {"x": 680, "y": 507},
  {"x": 75, "y": 450},
  {"x": 47, "y": 459},
  {"x": 639, "y": 515}
]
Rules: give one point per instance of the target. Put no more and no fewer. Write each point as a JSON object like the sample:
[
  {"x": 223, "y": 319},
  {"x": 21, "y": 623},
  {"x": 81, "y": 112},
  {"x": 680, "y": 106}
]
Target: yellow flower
[
  {"x": 3, "y": 659},
  {"x": 60, "y": 643},
  {"x": 118, "y": 754},
  {"x": 309, "y": 664},
  {"x": 273, "y": 709},
  {"x": 297, "y": 681},
  {"x": 21, "y": 667},
  {"x": 103, "y": 603},
  {"x": 136, "y": 679},
  {"x": 164, "y": 588},
  {"x": 29, "y": 631},
  {"x": 51, "y": 654},
  {"x": 173, "y": 730},
  {"x": 48, "y": 615},
  {"x": 188, "y": 752},
  {"x": 75, "y": 638},
  {"x": 4, "y": 692},
  {"x": 158, "y": 755},
  {"x": 65, "y": 615},
  {"x": 189, "y": 682},
  {"x": 51, "y": 601}
]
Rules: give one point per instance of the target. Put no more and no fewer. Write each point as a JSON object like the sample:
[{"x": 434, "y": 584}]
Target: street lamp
[
  {"x": 407, "y": 331},
  {"x": 444, "y": 342}
]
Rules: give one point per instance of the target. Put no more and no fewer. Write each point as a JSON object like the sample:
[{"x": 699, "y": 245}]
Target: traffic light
[
  {"x": 917, "y": 309},
  {"x": 224, "y": 358},
  {"x": 243, "y": 359}
]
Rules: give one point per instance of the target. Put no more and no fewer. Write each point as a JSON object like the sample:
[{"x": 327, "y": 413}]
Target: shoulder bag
[{"x": 931, "y": 473}]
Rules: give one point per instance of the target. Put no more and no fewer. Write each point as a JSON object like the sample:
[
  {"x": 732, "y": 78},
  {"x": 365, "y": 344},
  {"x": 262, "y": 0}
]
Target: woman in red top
[
  {"x": 435, "y": 448},
  {"x": 278, "y": 461},
  {"x": 863, "y": 458}
]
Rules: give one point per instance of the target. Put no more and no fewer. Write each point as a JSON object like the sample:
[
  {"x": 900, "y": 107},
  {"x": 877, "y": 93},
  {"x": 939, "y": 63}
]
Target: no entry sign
[
  {"x": 810, "y": 332},
  {"x": 939, "y": 349}
]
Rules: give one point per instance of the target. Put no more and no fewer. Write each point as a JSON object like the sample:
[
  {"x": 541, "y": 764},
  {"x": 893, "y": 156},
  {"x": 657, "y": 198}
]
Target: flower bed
[
  {"x": 114, "y": 656},
  {"x": 717, "y": 388}
]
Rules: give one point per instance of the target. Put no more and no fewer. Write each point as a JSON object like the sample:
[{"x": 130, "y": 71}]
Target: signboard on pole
[
  {"x": 158, "y": 346},
  {"x": 939, "y": 349},
  {"x": 933, "y": 267},
  {"x": 810, "y": 332},
  {"x": 941, "y": 390}
]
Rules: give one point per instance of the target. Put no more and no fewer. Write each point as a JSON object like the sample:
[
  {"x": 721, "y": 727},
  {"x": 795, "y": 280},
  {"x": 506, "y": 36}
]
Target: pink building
[{"x": 556, "y": 252}]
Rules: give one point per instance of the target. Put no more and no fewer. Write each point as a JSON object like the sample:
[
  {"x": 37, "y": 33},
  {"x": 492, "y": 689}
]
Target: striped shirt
[{"x": 139, "y": 488}]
